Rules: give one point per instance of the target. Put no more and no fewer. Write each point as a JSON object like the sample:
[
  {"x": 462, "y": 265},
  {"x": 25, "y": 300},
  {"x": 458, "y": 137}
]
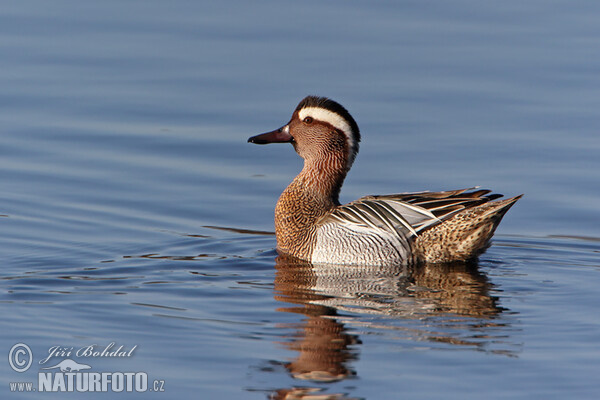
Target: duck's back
[{"x": 408, "y": 227}]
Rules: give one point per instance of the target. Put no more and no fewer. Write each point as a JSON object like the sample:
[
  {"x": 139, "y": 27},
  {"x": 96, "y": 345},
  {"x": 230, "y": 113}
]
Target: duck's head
[{"x": 320, "y": 128}]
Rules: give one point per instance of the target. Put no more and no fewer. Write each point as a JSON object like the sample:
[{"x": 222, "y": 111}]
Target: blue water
[{"x": 134, "y": 212}]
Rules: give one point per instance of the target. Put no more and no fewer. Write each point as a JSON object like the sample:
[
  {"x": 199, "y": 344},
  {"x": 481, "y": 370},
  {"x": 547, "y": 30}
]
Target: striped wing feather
[{"x": 407, "y": 214}]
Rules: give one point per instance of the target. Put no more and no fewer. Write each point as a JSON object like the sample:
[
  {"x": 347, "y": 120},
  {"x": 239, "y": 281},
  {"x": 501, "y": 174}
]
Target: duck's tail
[{"x": 463, "y": 236}]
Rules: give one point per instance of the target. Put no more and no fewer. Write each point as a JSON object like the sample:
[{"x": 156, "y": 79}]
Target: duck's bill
[{"x": 281, "y": 135}]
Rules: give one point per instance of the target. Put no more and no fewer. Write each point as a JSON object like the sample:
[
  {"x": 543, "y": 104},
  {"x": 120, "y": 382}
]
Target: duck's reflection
[
  {"x": 321, "y": 341},
  {"x": 330, "y": 297}
]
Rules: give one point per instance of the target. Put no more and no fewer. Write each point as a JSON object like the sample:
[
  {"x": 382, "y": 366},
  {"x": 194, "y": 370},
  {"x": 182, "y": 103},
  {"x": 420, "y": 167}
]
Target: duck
[{"x": 379, "y": 230}]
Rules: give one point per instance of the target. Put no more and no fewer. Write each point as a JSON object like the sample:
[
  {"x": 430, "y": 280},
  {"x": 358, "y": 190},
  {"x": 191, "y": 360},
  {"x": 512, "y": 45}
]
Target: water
[{"x": 135, "y": 213}]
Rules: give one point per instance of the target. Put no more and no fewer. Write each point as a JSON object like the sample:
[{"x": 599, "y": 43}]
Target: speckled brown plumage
[
  {"x": 464, "y": 236},
  {"x": 310, "y": 196}
]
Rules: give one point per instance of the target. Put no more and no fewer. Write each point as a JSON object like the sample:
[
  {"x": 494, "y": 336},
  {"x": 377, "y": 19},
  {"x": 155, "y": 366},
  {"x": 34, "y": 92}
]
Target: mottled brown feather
[{"x": 464, "y": 235}]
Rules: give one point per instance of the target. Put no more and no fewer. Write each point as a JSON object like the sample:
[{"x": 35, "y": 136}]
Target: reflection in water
[
  {"x": 335, "y": 296},
  {"x": 306, "y": 394},
  {"x": 322, "y": 341}
]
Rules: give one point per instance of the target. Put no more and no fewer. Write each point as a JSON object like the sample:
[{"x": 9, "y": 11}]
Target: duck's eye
[{"x": 308, "y": 120}]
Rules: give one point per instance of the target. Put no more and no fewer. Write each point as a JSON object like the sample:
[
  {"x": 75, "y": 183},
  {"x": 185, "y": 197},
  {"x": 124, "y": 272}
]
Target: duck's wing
[
  {"x": 395, "y": 217},
  {"x": 407, "y": 214}
]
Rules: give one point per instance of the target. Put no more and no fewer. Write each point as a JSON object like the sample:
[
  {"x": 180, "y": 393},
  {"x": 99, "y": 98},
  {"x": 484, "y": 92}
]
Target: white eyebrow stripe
[
  {"x": 324, "y": 115},
  {"x": 335, "y": 120}
]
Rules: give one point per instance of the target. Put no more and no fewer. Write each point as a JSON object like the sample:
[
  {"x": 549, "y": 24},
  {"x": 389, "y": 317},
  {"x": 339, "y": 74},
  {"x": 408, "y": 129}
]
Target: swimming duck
[{"x": 311, "y": 224}]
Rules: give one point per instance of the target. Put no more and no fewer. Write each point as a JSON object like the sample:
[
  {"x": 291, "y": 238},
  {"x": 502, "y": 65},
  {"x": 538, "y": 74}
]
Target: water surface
[{"x": 133, "y": 211}]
